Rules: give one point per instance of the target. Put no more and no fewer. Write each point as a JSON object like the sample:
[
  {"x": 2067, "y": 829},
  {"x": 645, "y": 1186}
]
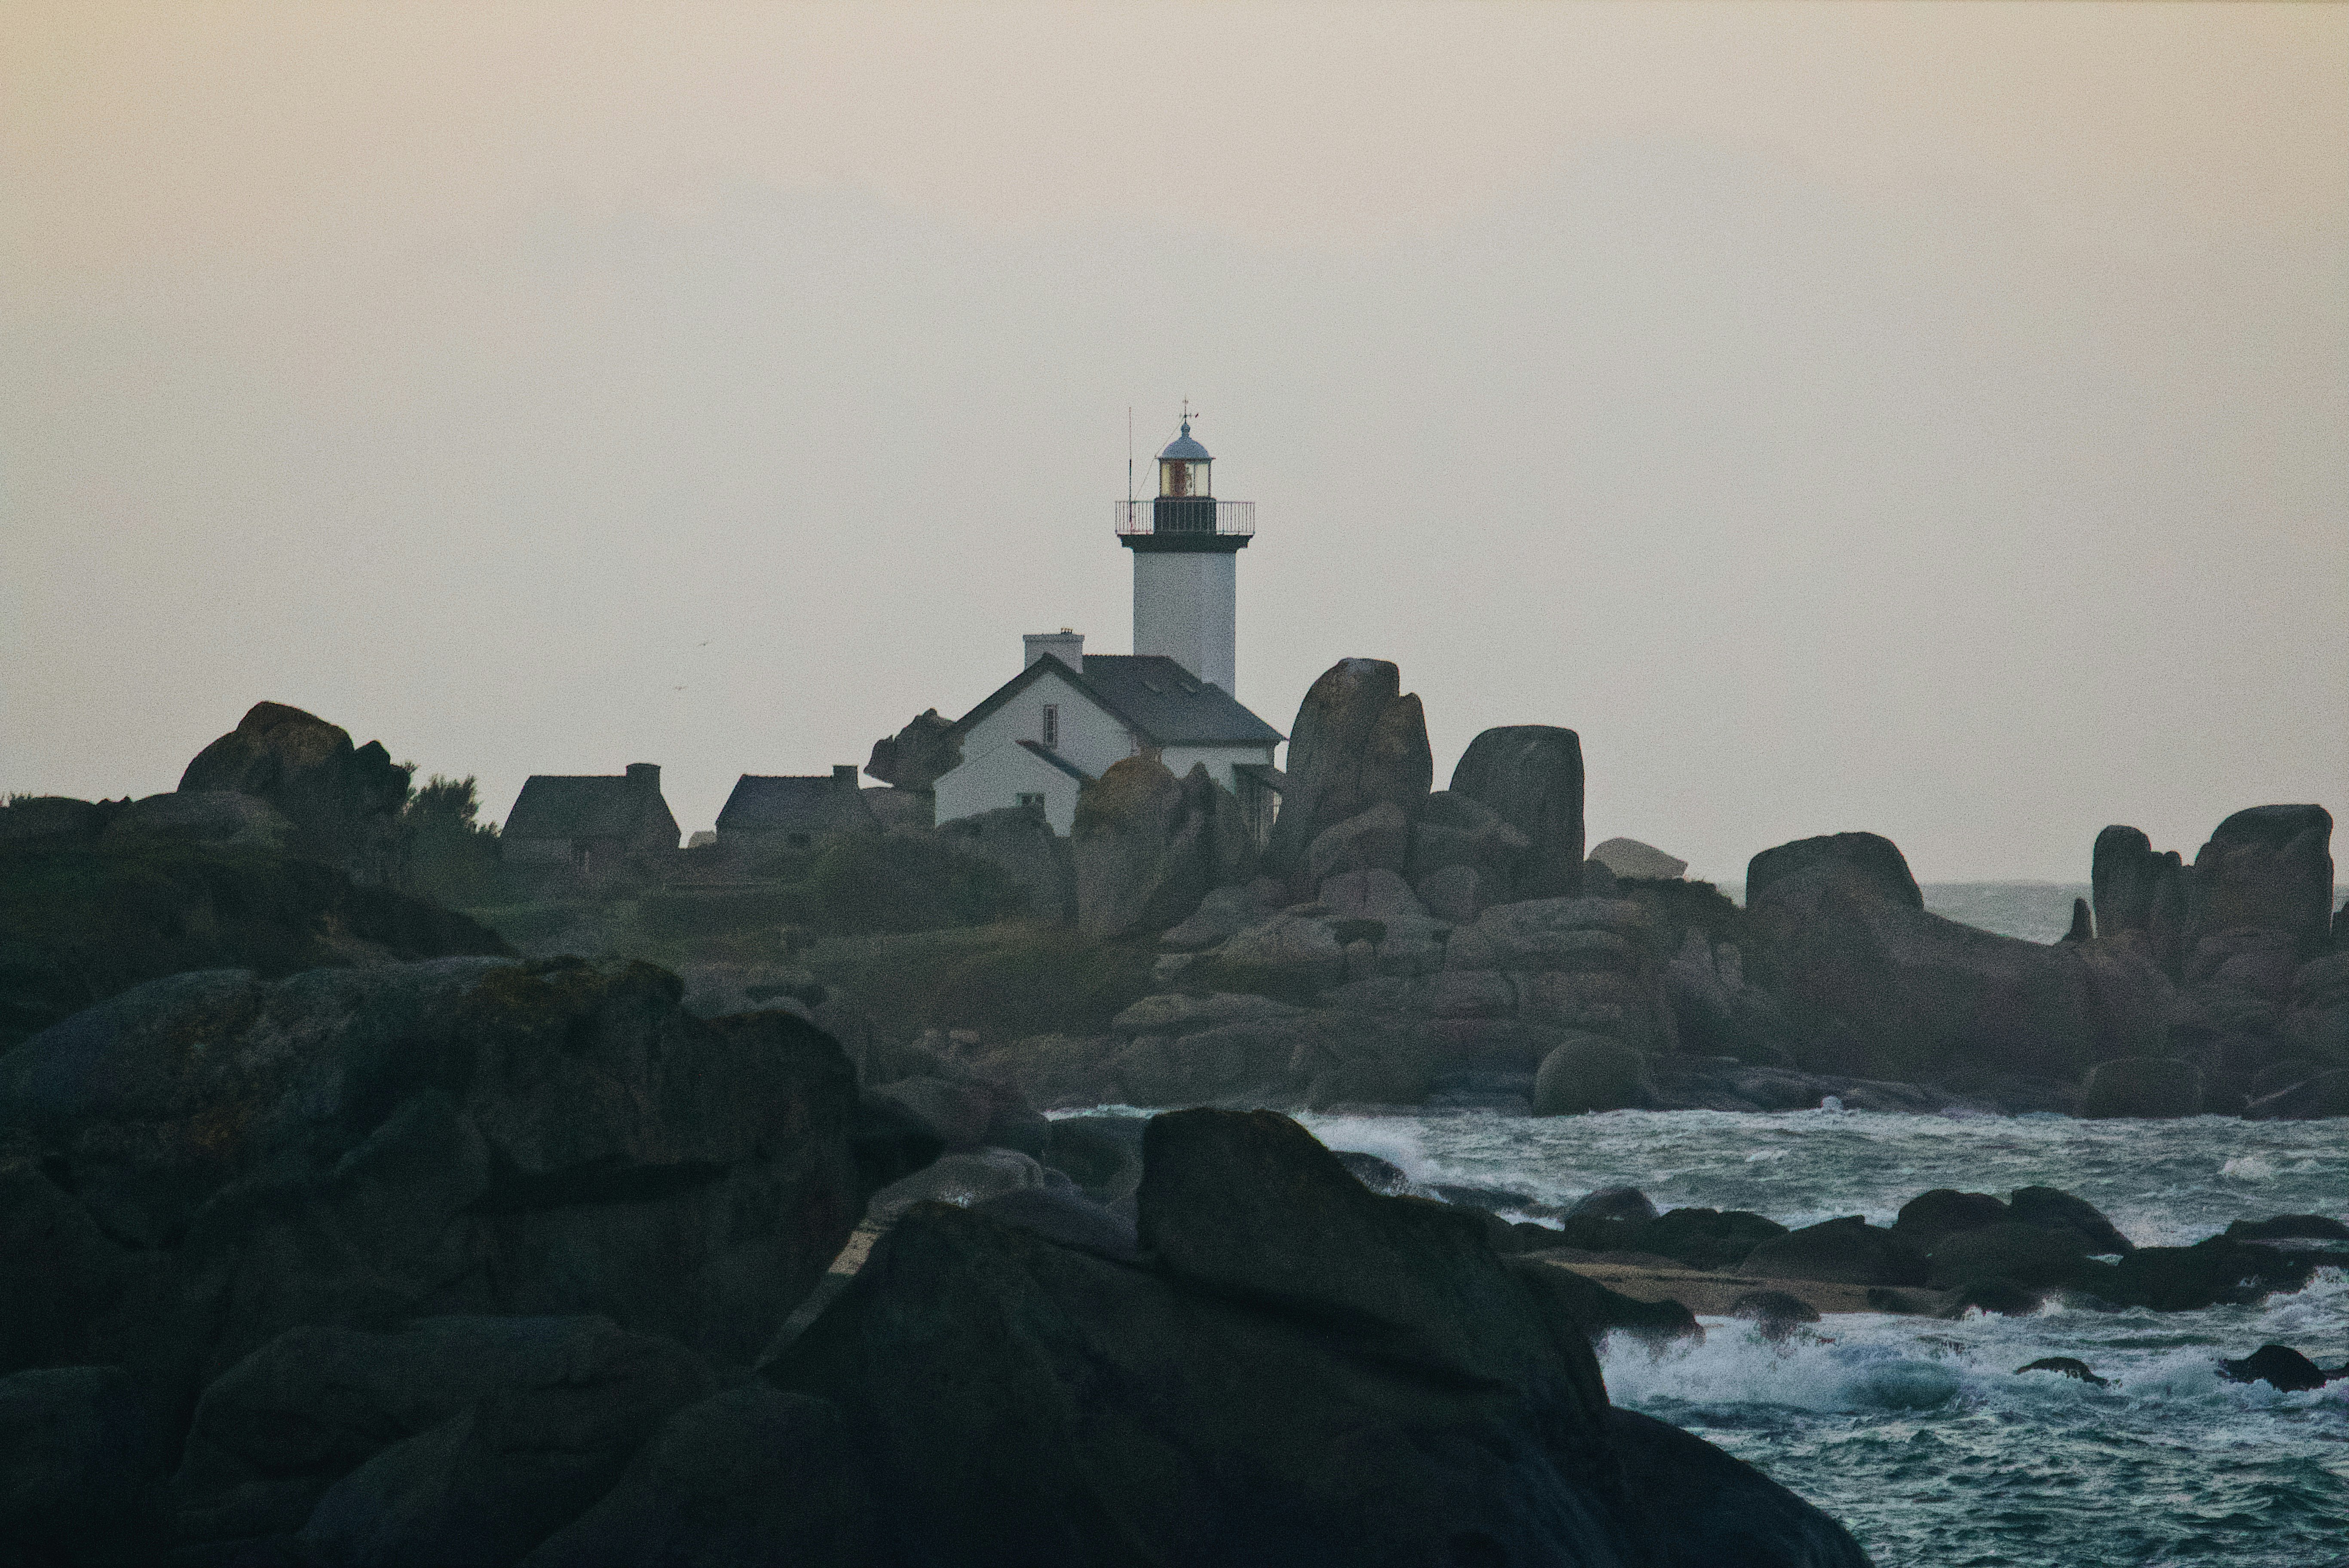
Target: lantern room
[{"x": 1183, "y": 467}]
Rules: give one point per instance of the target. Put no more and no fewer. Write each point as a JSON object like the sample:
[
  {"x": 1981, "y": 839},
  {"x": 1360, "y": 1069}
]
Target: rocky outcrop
[
  {"x": 2260, "y": 986},
  {"x": 2142, "y": 1087},
  {"x": 2266, "y": 868},
  {"x": 1530, "y": 774},
  {"x": 81, "y": 1468},
  {"x": 918, "y": 756},
  {"x": 1589, "y": 1072},
  {"x": 1630, "y": 858},
  {"x": 222, "y": 1158},
  {"x": 1293, "y": 1369},
  {"x": 81, "y": 920},
  {"x": 1358, "y": 742},
  {"x": 1018, "y": 841},
  {"x": 220, "y": 820},
  {"x": 2137, "y": 891},
  {"x": 1875, "y": 984},
  {"x": 1464, "y": 856},
  {"x": 343, "y": 801},
  {"x": 1148, "y": 846},
  {"x": 1868, "y": 861}
]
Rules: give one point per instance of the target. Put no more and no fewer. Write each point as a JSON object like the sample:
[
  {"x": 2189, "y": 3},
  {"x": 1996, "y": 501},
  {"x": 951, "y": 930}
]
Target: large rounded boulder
[
  {"x": 343, "y": 801},
  {"x": 1359, "y": 741},
  {"x": 1590, "y": 1072},
  {"x": 2149, "y": 1087},
  {"x": 1530, "y": 776}
]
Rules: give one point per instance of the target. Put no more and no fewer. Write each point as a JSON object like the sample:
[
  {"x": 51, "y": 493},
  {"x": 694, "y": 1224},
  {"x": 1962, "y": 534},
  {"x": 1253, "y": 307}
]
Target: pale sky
[{"x": 1931, "y": 420}]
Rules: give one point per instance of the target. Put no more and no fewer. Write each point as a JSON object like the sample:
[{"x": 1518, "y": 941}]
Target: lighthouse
[{"x": 1187, "y": 546}]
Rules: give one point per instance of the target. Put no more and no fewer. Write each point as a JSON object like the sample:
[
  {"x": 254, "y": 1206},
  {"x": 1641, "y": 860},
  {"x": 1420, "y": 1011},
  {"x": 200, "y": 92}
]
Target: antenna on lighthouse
[{"x": 1129, "y": 456}]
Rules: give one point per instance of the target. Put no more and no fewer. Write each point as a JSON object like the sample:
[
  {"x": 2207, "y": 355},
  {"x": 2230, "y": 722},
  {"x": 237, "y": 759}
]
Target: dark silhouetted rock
[
  {"x": 353, "y": 1147},
  {"x": 1630, "y": 858},
  {"x": 344, "y": 802},
  {"x": 1868, "y": 860},
  {"x": 88, "y": 921},
  {"x": 81, "y": 1469},
  {"x": 2150, "y": 1087},
  {"x": 1531, "y": 775},
  {"x": 963, "y": 1180},
  {"x": 2137, "y": 891},
  {"x": 2083, "y": 929},
  {"x": 2004, "y": 1297},
  {"x": 749, "y": 1477},
  {"x": 1590, "y": 1072},
  {"x": 2208, "y": 1274},
  {"x": 2267, "y": 869},
  {"x": 54, "y": 820},
  {"x": 1311, "y": 1373},
  {"x": 1925, "y": 1219},
  {"x": 1878, "y": 987},
  {"x": 1102, "y": 1154},
  {"x": 1455, "y": 834},
  {"x": 1149, "y": 846},
  {"x": 274, "y": 1431},
  {"x": 222, "y": 819},
  {"x": 2064, "y": 1365},
  {"x": 1777, "y": 1314},
  {"x": 1849, "y": 1250},
  {"x": 1701, "y": 1238},
  {"x": 2312, "y": 1100},
  {"x": 1599, "y": 1310},
  {"x": 1710, "y": 1510},
  {"x": 2052, "y": 1208},
  {"x": 2278, "y": 1365},
  {"x": 918, "y": 756},
  {"x": 1377, "y": 839},
  {"x": 1021, "y": 843},
  {"x": 499, "y": 1476},
  {"x": 2023, "y": 1254},
  {"x": 2314, "y": 1227},
  {"x": 967, "y": 1113},
  {"x": 1613, "y": 1204},
  {"x": 1066, "y": 1218},
  {"x": 1358, "y": 742}
]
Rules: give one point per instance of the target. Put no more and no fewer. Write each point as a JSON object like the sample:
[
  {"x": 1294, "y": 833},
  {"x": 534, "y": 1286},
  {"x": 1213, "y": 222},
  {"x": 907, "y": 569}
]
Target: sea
[{"x": 1919, "y": 1433}]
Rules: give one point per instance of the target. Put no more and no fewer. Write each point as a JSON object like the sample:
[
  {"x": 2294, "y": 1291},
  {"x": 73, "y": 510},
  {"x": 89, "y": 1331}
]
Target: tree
[{"x": 446, "y": 854}]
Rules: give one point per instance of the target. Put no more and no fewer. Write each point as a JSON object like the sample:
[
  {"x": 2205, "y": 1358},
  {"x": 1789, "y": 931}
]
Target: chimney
[
  {"x": 1064, "y": 645},
  {"x": 844, "y": 776},
  {"x": 645, "y": 777}
]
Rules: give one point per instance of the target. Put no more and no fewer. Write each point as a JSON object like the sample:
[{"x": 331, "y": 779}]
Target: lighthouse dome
[{"x": 1183, "y": 448}]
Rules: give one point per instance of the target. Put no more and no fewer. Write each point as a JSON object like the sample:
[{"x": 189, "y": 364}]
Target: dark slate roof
[
  {"x": 1059, "y": 761},
  {"x": 582, "y": 805},
  {"x": 817, "y": 803},
  {"x": 1163, "y": 703}
]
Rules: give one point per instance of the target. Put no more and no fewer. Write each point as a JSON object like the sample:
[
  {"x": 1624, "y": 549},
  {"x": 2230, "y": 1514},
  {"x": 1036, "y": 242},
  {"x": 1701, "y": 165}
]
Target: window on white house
[
  {"x": 1052, "y": 724},
  {"x": 1035, "y": 800}
]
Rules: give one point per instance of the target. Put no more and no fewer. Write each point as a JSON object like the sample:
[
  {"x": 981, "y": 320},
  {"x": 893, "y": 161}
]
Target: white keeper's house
[{"x": 1068, "y": 715}]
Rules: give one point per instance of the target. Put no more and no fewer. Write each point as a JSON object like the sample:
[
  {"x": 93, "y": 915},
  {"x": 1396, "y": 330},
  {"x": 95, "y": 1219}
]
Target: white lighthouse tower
[{"x": 1187, "y": 546}]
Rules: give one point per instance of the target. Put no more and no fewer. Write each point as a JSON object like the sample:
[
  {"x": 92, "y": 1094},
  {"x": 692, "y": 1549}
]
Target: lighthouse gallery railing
[{"x": 1185, "y": 514}]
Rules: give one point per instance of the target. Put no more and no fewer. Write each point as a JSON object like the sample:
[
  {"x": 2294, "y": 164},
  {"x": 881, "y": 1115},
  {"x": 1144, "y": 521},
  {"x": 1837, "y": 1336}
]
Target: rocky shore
[{"x": 1398, "y": 944}]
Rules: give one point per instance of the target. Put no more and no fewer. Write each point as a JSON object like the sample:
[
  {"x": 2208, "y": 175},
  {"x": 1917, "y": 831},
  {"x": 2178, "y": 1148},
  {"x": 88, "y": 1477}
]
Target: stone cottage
[{"x": 591, "y": 823}]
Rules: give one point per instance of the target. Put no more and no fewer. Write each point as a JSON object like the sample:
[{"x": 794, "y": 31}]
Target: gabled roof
[
  {"x": 817, "y": 803},
  {"x": 1163, "y": 703},
  {"x": 1057, "y": 761},
  {"x": 583, "y": 806}
]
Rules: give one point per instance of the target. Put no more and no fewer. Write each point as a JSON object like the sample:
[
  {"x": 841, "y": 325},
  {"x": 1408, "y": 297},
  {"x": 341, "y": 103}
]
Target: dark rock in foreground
[
  {"x": 2070, "y": 1366},
  {"x": 208, "y": 1161},
  {"x": 1296, "y": 1371},
  {"x": 2279, "y": 1367}
]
